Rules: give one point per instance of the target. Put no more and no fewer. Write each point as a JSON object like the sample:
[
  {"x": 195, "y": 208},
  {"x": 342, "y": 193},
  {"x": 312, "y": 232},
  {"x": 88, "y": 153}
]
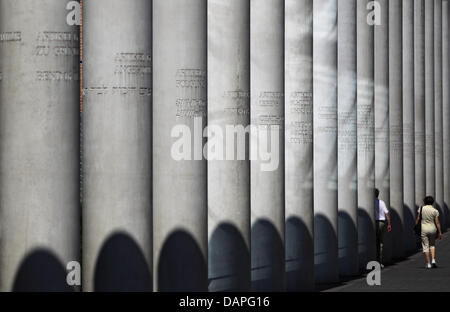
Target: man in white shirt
[{"x": 381, "y": 215}]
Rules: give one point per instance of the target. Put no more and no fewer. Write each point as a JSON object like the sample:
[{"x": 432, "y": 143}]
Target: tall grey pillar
[
  {"x": 267, "y": 115},
  {"x": 429, "y": 100},
  {"x": 325, "y": 140},
  {"x": 39, "y": 145},
  {"x": 382, "y": 142},
  {"x": 347, "y": 148},
  {"x": 446, "y": 105},
  {"x": 365, "y": 134},
  {"x": 396, "y": 127},
  {"x": 229, "y": 178},
  {"x": 408, "y": 126},
  {"x": 438, "y": 117},
  {"x": 419, "y": 101},
  {"x": 117, "y": 224},
  {"x": 179, "y": 169},
  {"x": 299, "y": 145}
]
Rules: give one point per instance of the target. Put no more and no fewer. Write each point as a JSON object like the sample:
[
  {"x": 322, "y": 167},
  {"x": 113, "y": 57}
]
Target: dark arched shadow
[
  {"x": 299, "y": 256},
  {"x": 409, "y": 235},
  {"x": 441, "y": 213},
  {"x": 182, "y": 266},
  {"x": 121, "y": 266},
  {"x": 447, "y": 217},
  {"x": 348, "y": 245},
  {"x": 228, "y": 260},
  {"x": 41, "y": 271},
  {"x": 366, "y": 239},
  {"x": 267, "y": 255},
  {"x": 325, "y": 252},
  {"x": 397, "y": 236}
]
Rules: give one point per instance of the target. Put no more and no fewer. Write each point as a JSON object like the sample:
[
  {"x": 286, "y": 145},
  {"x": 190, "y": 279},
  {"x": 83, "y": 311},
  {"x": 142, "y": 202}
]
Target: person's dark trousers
[{"x": 380, "y": 240}]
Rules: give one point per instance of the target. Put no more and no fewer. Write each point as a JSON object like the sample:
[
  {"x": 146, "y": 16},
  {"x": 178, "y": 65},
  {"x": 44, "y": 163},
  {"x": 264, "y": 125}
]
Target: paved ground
[{"x": 409, "y": 275}]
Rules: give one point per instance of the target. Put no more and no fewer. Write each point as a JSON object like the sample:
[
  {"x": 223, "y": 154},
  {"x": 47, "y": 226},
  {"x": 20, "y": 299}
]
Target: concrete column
[
  {"x": 419, "y": 101},
  {"x": 39, "y": 145},
  {"x": 299, "y": 145},
  {"x": 438, "y": 117},
  {"x": 446, "y": 104},
  {"x": 325, "y": 140},
  {"x": 179, "y": 168},
  {"x": 365, "y": 133},
  {"x": 408, "y": 126},
  {"x": 117, "y": 224},
  {"x": 267, "y": 115},
  {"x": 382, "y": 143},
  {"x": 429, "y": 100},
  {"x": 347, "y": 147},
  {"x": 229, "y": 169},
  {"x": 396, "y": 127}
]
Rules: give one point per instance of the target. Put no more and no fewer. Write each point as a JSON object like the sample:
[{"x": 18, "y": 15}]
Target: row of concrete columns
[{"x": 355, "y": 92}]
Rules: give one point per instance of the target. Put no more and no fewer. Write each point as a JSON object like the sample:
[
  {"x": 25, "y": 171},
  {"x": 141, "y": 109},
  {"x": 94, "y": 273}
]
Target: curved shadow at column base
[
  {"x": 41, "y": 271},
  {"x": 325, "y": 252},
  {"x": 348, "y": 245},
  {"x": 267, "y": 257},
  {"x": 299, "y": 256},
  {"x": 121, "y": 266},
  {"x": 182, "y": 266},
  {"x": 228, "y": 260}
]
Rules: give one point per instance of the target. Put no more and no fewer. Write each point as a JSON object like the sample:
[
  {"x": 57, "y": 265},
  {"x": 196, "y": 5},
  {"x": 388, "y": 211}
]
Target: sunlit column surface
[
  {"x": 438, "y": 117},
  {"x": 419, "y": 101},
  {"x": 299, "y": 145},
  {"x": 228, "y": 180},
  {"x": 382, "y": 142},
  {"x": 325, "y": 140},
  {"x": 267, "y": 115},
  {"x": 347, "y": 140},
  {"x": 117, "y": 225},
  {"x": 39, "y": 145},
  {"x": 179, "y": 168},
  {"x": 396, "y": 127},
  {"x": 365, "y": 132},
  {"x": 446, "y": 104},
  {"x": 408, "y": 125},
  {"x": 429, "y": 100}
]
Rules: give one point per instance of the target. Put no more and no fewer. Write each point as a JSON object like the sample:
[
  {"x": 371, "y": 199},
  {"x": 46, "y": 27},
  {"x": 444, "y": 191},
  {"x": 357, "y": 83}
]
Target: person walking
[
  {"x": 381, "y": 215},
  {"x": 429, "y": 218}
]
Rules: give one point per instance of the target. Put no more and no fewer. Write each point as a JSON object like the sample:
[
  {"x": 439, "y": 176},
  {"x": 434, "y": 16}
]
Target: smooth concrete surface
[
  {"x": 117, "y": 72},
  {"x": 430, "y": 159},
  {"x": 419, "y": 101},
  {"x": 347, "y": 140},
  {"x": 228, "y": 180},
  {"x": 179, "y": 183},
  {"x": 267, "y": 114},
  {"x": 365, "y": 135},
  {"x": 39, "y": 145},
  {"x": 409, "y": 204},
  {"x": 325, "y": 140},
  {"x": 446, "y": 105},
  {"x": 396, "y": 128},
  {"x": 438, "y": 117},
  {"x": 382, "y": 133},
  {"x": 299, "y": 145}
]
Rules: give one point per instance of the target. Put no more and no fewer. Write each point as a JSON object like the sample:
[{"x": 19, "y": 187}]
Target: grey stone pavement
[{"x": 409, "y": 274}]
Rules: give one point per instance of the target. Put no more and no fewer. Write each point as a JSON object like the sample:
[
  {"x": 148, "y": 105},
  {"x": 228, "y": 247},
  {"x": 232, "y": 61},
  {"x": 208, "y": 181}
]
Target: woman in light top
[{"x": 430, "y": 225}]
